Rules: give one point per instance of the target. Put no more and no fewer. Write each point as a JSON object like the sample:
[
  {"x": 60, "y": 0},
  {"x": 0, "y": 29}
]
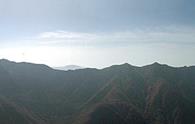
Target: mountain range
[{"x": 120, "y": 94}]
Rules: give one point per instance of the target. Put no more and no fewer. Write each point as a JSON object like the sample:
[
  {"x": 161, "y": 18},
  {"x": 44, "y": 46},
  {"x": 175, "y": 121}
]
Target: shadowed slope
[
  {"x": 115, "y": 113},
  {"x": 159, "y": 93},
  {"x": 12, "y": 114}
]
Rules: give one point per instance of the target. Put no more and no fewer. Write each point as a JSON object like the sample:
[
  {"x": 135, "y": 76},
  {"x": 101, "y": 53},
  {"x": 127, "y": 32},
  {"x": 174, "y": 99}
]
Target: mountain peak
[
  {"x": 156, "y": 63},
  {"x": 127, "y": 64},
  {"x": 4, "y": 60},
  {"x": 8, "y": 64}
]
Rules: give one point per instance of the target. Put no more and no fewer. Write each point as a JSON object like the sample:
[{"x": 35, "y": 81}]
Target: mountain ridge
[
  {"x": 157, "y": 93},
  {"x": 124, "y": 64}
]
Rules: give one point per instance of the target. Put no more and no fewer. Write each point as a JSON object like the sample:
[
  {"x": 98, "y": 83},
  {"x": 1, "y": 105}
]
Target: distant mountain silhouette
[
  {"x": 152, "y": 94},
  {"x": 69, "y": 67}
]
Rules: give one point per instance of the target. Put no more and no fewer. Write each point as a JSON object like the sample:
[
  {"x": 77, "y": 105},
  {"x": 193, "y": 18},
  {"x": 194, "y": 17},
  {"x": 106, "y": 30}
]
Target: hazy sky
[{"x": 98, "y": 33}]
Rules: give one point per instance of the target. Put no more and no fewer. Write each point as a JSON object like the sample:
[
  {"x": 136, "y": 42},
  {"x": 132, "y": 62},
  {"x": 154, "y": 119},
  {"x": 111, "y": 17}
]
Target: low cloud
[
  {"x": 66, "y": 38},
  {"x": 165, "y": 36},
  {"x": 137, "y": 47}
]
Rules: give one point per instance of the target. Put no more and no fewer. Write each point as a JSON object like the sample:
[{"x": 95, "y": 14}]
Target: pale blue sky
[{"x": 98, "y": 33}]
